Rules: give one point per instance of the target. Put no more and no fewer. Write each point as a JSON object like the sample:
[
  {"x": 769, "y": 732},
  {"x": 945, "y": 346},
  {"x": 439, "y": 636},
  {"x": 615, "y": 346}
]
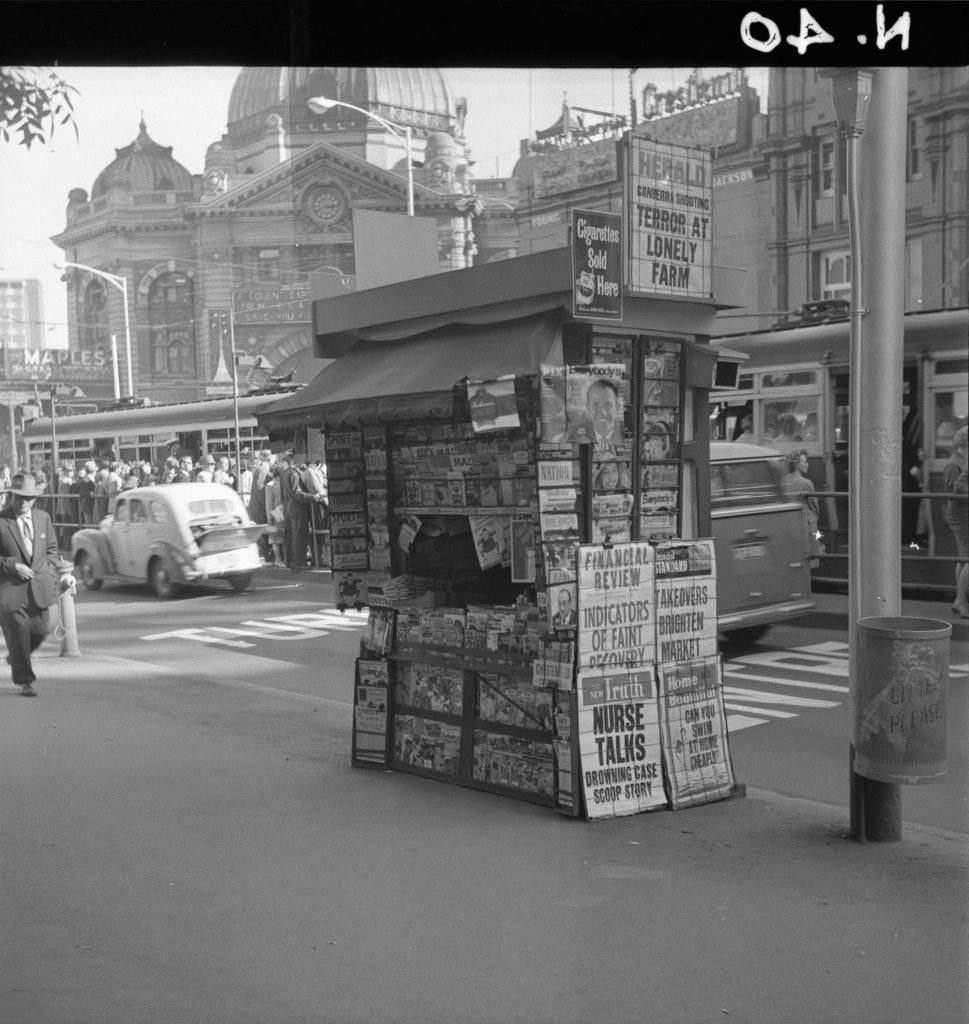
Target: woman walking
[
  {"x": 795, "y": 481},
  {"x": 954, "y": 483}
]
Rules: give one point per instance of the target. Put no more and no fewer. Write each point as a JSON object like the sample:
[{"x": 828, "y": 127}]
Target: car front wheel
[
  {"x": 161, "y": 580},
  {"x": 241, "y": 582},
  {"x": 85, "y": 569}
]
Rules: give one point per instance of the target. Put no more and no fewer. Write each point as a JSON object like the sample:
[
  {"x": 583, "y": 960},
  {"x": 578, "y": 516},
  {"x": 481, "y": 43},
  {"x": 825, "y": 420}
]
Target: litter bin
[{"x": 903, "y": 674}]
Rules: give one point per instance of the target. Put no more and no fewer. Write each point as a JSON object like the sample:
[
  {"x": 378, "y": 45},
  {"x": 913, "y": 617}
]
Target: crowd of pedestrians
[{"x": 289, "y": 499}]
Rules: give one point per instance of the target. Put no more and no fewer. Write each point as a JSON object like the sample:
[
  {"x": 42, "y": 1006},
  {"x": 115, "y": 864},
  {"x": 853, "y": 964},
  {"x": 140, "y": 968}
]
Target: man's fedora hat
[{"x": 25, "y": 486}]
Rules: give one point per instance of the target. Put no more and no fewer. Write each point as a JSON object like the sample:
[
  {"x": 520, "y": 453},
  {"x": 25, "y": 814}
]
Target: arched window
[
  {"x": 172, "y": 324},
  {"x": 94, "y": 314}
]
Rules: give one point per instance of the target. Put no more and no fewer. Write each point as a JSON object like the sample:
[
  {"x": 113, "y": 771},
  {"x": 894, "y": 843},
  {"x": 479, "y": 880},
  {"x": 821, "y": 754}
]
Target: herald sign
[{"x": 669, "y": 212}]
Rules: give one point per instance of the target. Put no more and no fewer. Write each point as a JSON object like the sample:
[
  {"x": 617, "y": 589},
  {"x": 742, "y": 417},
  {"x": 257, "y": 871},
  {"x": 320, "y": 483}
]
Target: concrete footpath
[{"x": 176, "y": 851}]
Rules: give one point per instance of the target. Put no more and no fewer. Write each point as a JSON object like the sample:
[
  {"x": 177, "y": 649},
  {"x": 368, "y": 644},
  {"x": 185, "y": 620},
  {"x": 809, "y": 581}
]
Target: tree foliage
[{"x": 33, "y": 101}]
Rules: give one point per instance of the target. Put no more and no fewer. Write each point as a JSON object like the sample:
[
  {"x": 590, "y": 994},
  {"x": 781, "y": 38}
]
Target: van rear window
[{"x": 736, "y": 484}]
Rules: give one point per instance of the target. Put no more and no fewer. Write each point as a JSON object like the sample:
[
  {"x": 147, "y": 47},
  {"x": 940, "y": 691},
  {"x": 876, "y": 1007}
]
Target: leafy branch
[{"x": 33, "y": 101}]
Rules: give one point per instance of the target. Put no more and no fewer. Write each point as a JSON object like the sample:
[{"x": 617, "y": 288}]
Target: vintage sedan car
[
  {"x": 170, "y": 535},
  {"x": 760, "y": 536}
]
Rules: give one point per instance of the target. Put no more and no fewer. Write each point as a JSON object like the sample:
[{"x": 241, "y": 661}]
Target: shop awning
[{"x": 414, "y": 378}]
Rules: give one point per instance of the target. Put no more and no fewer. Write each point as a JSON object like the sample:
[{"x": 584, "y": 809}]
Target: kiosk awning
[{"x": 415, "y": 377}]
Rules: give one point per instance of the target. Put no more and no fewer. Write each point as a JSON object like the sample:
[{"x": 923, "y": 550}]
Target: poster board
[
  {"x": 618, "y": 718},
  {"x": 693, "y": 723},
  {"x": 370, "y": 703}
]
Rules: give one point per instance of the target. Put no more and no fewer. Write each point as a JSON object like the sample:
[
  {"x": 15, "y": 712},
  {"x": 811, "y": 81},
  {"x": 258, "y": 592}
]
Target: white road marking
[
  {"x": 799, "y": 659},
  {"x": 737, "y": 722},
  {"x": 764, "y": 697},
  {"x": 731, "y": 706},
  {"x": 801, "y": 683},
  {"x": 299, "y": 626}
]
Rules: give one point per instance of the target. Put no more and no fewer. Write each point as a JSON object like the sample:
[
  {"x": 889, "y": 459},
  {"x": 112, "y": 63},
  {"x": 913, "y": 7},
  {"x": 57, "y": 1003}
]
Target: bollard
[{"x": 66, "y": 589}]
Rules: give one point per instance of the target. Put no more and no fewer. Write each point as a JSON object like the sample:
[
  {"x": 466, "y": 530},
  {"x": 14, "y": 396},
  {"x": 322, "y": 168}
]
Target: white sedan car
[{"x": 170, "y": 535}]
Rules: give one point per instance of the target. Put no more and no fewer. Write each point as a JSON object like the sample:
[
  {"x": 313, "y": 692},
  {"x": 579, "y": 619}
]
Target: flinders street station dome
[{"x": 419, "y": 97}]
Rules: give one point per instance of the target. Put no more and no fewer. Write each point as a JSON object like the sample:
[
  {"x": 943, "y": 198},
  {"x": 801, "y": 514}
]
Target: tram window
[
  {"x": 957, "y": 366},
  {"x": 746, "y": 382},
  {"x": 950, "y": 414},
  {"x": 727, "y": 422},
  {"x": 792, "y": 419},
  {"x": 793, "y": 378}
]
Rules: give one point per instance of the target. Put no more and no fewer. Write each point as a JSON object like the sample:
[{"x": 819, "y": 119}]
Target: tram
[
  {"x": 792, "y": 393},
  {"x": 148, "y": 434}
]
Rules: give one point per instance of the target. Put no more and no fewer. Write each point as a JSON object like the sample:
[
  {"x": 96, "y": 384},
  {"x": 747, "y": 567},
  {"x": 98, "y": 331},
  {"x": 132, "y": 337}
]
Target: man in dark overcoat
[{"x": 28, "y": 578}]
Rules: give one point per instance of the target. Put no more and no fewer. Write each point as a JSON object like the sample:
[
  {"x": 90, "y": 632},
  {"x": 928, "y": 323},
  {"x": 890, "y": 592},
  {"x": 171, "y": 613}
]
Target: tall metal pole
[
  {"x": 877, "y": 502},
  {"x": 114, "y": 366},
  {"x": 235, "y": 392},
  {"x": 127, "y": 334},
  {"x": 55, "y": 478},
  {"x": 410, "y": 172}
]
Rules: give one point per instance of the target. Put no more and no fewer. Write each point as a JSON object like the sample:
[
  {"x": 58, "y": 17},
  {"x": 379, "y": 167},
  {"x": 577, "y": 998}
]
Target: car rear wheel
[
  {"x": 241, "y": 582},
  {"x": 161, "y": 580},
  {"x": 84, "y": 566}
]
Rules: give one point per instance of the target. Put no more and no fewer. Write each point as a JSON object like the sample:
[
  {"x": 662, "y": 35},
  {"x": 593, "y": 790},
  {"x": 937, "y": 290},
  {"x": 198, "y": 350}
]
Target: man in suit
[
  {"x": 28, "y": 578},
  {"x": 564, "y": 618}
]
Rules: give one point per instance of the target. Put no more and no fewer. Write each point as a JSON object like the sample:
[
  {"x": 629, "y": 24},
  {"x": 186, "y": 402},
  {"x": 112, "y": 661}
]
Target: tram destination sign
[{"x": 269, "y": 305}]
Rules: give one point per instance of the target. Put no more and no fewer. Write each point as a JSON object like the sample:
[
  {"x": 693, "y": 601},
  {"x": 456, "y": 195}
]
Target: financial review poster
[
  {"x": 596, "y": 264},
  {"x": 669, "y": 204}
]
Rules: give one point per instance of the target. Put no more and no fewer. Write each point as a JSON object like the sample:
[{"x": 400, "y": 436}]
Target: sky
[{"x": 185, "y": 108}]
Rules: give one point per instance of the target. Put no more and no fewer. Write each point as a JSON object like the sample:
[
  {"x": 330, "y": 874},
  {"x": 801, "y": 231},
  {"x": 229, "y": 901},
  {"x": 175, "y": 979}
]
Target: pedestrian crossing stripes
[{"x": 811, "y": 669}]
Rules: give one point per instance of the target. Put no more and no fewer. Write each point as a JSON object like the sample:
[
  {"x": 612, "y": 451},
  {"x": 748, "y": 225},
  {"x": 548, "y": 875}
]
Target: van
[{"x": 761, "y": 541}]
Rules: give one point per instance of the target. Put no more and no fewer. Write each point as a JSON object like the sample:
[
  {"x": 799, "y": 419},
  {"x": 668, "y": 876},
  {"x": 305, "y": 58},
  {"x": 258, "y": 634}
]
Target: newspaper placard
[
  {"x": 616, "y": 606},
  {"x": 619, "y": 742},
  {"x": 693, "y": 724},
  {"x": 686, "y": 601},
  {"x": 370, "y": 712},
  {"x": 670, "y": 201}
]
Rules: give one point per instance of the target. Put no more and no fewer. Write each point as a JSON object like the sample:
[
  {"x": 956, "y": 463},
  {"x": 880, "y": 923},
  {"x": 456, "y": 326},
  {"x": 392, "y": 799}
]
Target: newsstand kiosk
[{"x": 519, "y": 492}]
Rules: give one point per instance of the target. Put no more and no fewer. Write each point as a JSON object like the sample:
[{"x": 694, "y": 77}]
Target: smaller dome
[
  {"x": 143, "y": 166},
  {"x": 441, "y": 146}
]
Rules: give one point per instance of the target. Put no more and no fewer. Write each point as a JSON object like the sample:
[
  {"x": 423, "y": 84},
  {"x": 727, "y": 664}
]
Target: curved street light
[
  {"x": 121, "y": 283},
  {"x": 321, "y": 104}
]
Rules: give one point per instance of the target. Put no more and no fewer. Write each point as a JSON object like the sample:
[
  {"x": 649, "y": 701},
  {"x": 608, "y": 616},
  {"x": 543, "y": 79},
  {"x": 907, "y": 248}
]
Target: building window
[
  {"x": 94, "y": 315},
  {"x": 913, "y": 273},
  {"x": 836, "y": 275},
  {"x": 914, "y": 151},
  {"x": 267, "y": 266},
  {"x": 826, "y": 156},
  {"x": 172, "y": 325}
]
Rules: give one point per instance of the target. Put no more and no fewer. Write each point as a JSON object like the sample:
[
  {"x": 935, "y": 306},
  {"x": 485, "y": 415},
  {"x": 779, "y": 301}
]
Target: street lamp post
[
  {"x": 121, "y": 283},
  {"x": 235, "y": 389},
  {"x": 321, "y": 104}
]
